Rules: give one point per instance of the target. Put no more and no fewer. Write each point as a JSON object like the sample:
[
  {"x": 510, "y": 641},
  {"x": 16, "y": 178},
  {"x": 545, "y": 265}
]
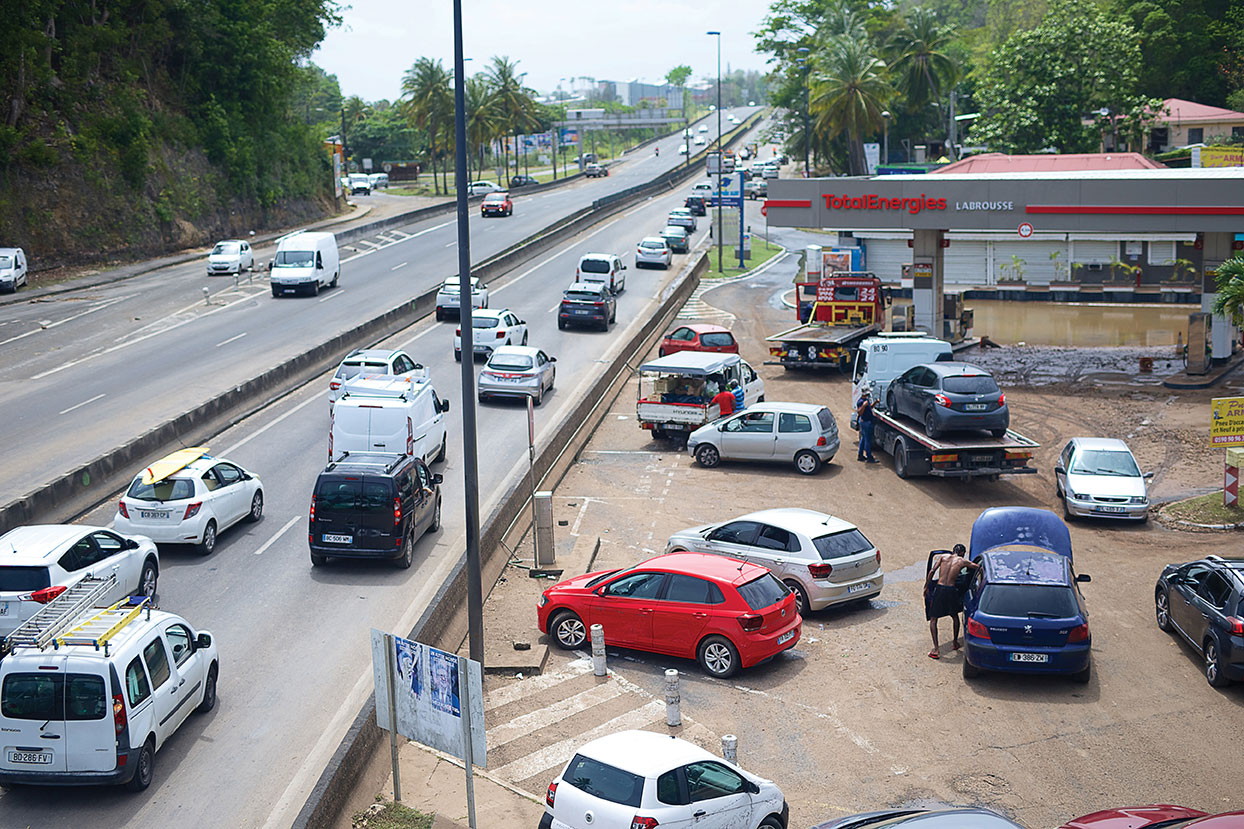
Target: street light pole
[
  {"x": 885, "y": 146},
  {"x": 807, "y": 111},
  {"x": 345, "y": 150},
  {"x": 721, "y": 158}
]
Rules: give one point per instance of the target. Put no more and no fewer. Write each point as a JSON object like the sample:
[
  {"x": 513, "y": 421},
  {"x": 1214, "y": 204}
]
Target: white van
[
  {"x": 398, "y": 415},
  {"x": 89, "y": 694},
  {"x": 883, "y": 357},
  {"x": 379, "y": 180},
  {"x": 305, "y": 261},
  {"x": 12, "y": 269}
]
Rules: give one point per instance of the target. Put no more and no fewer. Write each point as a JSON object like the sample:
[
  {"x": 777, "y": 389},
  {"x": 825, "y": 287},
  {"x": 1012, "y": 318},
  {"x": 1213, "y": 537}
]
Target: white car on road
[
  {"x": 634, "y": 779},
  {"x": 652, "y": 251},
  {"x": 371, "y": 362},
  {"x": 12, "y": 269},
  {"x": 492, "y": 329},
  {"x": 517, "y": 371},
  {"x": 230, "y": 256},
  {"x": 1099, "y": 478},
  {"x": 193, "y": 504},
  {"x": 449, "y": 294},
  {"x": 484, "y": 187}
]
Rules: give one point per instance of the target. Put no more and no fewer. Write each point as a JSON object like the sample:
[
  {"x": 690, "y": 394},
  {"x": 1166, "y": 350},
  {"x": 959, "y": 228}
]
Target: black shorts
[{"x": 942, "y": 600}]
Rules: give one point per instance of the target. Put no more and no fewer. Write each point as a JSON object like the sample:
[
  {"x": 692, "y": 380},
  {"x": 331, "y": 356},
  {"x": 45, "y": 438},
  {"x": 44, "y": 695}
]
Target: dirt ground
[{"x": 857, "y": 717}]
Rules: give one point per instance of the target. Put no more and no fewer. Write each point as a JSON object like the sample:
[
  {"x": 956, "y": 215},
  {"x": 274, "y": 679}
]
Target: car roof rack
[{"x": 60, "y": 614}]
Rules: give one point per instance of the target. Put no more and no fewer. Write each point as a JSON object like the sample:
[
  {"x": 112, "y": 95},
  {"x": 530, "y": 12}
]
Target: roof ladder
[
  {"x": 41, "y": 629},
  {"x": 98, "y": 628}
]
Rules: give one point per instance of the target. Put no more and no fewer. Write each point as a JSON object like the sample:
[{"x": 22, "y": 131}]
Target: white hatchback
[
  {"x": 492, "y": 329},
  {"x": 652, "y": 251},
  {"x": 191, "y": 506},
  {"x": 637, "y": 779},
  {"x": 230, "y": 256},
  {"x": 448, "y": 296},
  {"x": 372, "y": 362},
  {"x": 483, "y": 188}
]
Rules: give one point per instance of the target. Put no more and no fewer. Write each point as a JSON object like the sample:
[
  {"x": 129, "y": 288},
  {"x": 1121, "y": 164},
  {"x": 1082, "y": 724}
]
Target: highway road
[
  {"x": 86, "y": 371},
  {"x": 294, "y": 641}
]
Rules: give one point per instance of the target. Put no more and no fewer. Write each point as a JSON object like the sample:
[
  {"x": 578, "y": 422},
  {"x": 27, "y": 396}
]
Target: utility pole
[
  {"x": 345, "y": 151},
  {"x": 954, "y": 129},
  {"x": 807, "y": 111},
  {"x": 721, "y": 156}
]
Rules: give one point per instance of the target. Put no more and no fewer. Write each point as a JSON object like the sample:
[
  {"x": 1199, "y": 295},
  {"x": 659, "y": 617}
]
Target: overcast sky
[{"x": 617, "y": 40}]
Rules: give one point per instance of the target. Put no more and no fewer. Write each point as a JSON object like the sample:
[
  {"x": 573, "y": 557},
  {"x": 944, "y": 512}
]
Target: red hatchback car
[
  {"x": 725, "y": 614},
  {"x": 699, "y": 336},
  {"x": 496, "y": 204},
  {"x": 1164, "y": 816}
]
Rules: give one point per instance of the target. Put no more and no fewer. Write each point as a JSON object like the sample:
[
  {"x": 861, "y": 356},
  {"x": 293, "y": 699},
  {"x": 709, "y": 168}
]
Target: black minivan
[{"x": 372, "y": 505}]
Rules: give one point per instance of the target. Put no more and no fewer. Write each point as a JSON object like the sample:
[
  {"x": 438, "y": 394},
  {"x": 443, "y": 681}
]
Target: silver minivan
[
  {"x": 801, "y": 433},
  {"x": 823, "y": 560}
]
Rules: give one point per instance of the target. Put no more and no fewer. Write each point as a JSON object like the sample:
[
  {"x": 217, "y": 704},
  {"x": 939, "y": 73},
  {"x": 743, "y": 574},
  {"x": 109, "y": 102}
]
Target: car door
[
  {"x": 772, "y": 548},
  {"x": 215, "y": 498},
  {"x": 1211, "y": 602},
  {"x": 720, "y": 796},
  {"x": 425, "y": 496},
  {"x": 87, "y": 559},
  {"x": 900, "y": 390},
  {"x": 681, "y": 614},
  {"x": 189, "y": 662},
  {"x": 624, "y": 608},
  {"x": 1061, "y": 467},
  {"x": 794, "y": 432},
  {"x": 117, "y": 556},
  {"x": 32, "y": 708},
  {"x": 748, "y": 436},
  {"x": 753, "y": 386},
  {"x": 166, "y": 687},
  {"x": 736, "y": 539},
  {"x": 546, "y": 370},
  {"x": 90, "y": 733},
  {"x": 233, "y": 483},
  {"x": 1185, "y": 600}
]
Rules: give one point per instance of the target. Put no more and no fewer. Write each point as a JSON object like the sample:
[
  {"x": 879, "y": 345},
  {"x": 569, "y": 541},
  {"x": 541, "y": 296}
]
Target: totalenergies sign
[
  {"x": 873, "y": 201},
  {"x": 1226, "y": 425}
]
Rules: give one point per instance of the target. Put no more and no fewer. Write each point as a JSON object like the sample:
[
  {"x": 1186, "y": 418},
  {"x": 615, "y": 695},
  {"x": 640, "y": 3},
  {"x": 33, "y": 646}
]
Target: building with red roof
[
  {"x": 988, "y": 163},
  {"x": 1187, "y": 122}
]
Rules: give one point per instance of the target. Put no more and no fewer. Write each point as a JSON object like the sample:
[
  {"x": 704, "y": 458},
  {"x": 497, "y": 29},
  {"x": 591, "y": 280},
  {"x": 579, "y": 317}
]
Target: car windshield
[
  {"x": 485, "y": 322},
  {"x": 341, "y": 494},
  {"x": 581, "y": 296},
  {"x": 169, "y": 489},
  {"x": 510, "y": 362},
  {"x": 1037, "y": 601},
  {"x": 227, "y": 247},
  {"x": 6, "y": 261},
  {"x": 294, "y": 258},
  {"x": 594, "y": 266},
  {"x": 718, "y": 340},
  {"x": 494, "y": 197},
  {"x": 24, "y": 579},
  {"x": 604, "y": 781},
  {"x": 1105, "y": 462},
  {"x": 762, "y": 592},
  {"x": 675, "y": 231},
  {"x": 652, "y": 245},
  {"x": 842, "y": 544},
  {"x": 970, "y": 384}
]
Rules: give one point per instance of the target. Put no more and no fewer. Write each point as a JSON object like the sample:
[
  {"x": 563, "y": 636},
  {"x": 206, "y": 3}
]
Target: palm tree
[
  {"x": 1230, "y": 298},
  {"x": 921, "y": 67},
  {"x": 482, "y": 124},
  {"x": 356, "y": 109},
  {"x": 515, "y": 106},
  {"x": 429, "y": 105},
  {"x": 849, "y": 92}
]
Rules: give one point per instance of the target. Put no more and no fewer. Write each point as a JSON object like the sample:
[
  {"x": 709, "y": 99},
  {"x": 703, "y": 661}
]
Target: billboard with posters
[
  {"x": 428, "y": 695},
  {"x": 570, "y": 135},
  {"x": 1226, "y": 423}
]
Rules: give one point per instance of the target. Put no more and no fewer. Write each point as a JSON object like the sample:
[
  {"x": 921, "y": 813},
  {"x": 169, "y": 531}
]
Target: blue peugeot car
[{"x": 1024, "y": 610}]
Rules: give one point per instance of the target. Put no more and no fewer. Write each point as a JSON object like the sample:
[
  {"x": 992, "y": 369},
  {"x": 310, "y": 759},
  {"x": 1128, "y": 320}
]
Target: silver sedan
[{"x": 517, "y": 371}]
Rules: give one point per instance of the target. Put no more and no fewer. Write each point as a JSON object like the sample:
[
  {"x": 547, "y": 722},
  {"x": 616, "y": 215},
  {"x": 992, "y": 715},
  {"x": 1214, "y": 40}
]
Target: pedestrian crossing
[
  {"x": 696, "y": 308},
  {"x": 535, "y": 725}
]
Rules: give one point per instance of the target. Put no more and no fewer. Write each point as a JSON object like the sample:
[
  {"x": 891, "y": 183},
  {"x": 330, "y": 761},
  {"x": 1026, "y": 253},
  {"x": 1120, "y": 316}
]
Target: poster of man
[
  {"x": 444, "y": 669},
  {"x": 409, "y": 673}
]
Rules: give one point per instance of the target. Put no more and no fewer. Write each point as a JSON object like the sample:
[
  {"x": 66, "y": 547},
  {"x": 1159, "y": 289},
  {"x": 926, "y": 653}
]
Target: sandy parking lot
[{"x": 857, "y": 717}]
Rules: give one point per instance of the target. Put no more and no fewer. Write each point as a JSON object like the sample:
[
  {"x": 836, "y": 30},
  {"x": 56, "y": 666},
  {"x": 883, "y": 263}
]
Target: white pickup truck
[{"x": 676, "y": 392}]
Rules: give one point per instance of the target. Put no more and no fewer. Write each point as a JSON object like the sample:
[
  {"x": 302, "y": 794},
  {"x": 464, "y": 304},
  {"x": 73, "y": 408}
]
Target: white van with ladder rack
[{"x": 89, "y": 693}]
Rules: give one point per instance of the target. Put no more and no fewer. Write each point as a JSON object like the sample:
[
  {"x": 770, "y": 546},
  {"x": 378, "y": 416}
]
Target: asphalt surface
[
  {"x": 86, "y": 371},
  {"x": 295, "y": 658}
]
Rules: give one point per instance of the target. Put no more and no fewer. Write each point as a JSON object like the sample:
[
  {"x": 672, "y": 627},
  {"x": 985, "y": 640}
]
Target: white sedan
[
  {"x": 641, "y": 778},
  {"x": 517, "y": 371},
  {"x": 492, "y": 329},
  {"x": 191, "y": 505},
  {"x": 449, "y": 295},
  {"x": 230, "y": 256},
  {"x": 483, "y": 188}
]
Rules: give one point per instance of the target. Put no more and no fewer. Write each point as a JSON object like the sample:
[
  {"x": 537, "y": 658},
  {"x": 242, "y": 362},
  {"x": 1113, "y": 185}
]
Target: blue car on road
[{"x": 1024, "y": 610}]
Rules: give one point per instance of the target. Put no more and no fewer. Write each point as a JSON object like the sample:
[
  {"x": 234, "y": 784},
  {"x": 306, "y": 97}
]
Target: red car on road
[
  {"x": 724, "y": 613},
  {"x": 496, "y": 204},
  {"x": 1153, "y": 817},
  {"x": 699, "y": 336}
]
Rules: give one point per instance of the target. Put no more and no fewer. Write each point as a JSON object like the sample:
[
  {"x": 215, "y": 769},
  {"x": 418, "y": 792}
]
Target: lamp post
[
  {"x": 807, "y": 110},
  {"x": 885, "y": 145},
  {"x": 720, "y": 156},
  {"x": 345, "y": 150}
]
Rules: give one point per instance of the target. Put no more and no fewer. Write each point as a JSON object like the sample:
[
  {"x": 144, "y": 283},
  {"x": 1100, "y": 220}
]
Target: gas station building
[{"x": 1165, "y": 230}]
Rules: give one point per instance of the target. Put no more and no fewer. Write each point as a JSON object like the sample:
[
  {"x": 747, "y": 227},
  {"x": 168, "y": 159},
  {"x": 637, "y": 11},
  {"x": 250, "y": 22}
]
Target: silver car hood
[{"x": 1108, "y": 486}]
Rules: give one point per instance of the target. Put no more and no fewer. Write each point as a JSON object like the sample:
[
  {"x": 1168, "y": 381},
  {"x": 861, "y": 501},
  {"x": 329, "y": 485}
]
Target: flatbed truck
[
  {"x": 955, "y": 455},
  {"x": 836, "y": 312}
]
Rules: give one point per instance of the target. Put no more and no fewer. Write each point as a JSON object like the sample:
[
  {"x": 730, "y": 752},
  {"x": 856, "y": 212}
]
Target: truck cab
[
  {"x": 882, "y": 358},
  {"x": 835, "y": 311}
]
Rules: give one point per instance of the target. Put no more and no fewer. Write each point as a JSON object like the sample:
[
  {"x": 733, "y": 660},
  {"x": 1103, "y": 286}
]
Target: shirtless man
[{"x": 944, "y": 599}]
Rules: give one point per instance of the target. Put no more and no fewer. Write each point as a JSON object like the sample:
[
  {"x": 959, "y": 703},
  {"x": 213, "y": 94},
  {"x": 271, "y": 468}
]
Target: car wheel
[
  {"x": 930, "y": 425},
  {"x": 440, "y": 315},
  {"x": 970, "y": 671},
  {"x": 1067, "y": 516},
  {"x": 436, "y": 518},
  {"x": 801, "y": 597},
  {"x": 568, "y": 630},
  {"x": 275, "y": 292},
  {"x": 144, "y": 768},
  {"x": 256, "y": 512},
  {"x": 208, "y": 544},
  {"x": 149, "y": 579},
  {"x": 771, "y": 822},
  {"x": 318, "y": 560},
  {"x": 1084, "y": 676},
  {"x": 760, "y": 399},
  {"x": 718, "y": 657},
  {"x": 807, "y": 462},
  {"x": 661, "y": 352},
  {"x": 336, "y": 276},
  {"x": 440, "y": 456},
  {"x": 315, "y": 287},
  {"x": 707, "y": 455},
  {"x": 998, "y": 433},
  {"x": 561, "y": 326},
  {"x": 209, "y": 692},
  {"x": 1162, "y": 610},
  {"x": 407, "y": 557},
  {"x": 889, "y": 402},
  {"x": 1214, "y": 674}
]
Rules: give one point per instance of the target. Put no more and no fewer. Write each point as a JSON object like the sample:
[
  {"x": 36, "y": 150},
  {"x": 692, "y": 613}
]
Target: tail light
[
  {"x": 599, "y": 304},
  {"x": 1001, "y": 398},
  {"x": 748, "y": 621},
  {"x": 1080, "y": 633},
  {"x": 121, "y": 508},
  {"x": 46, "y": 594},
  {"x": 878, "y": 558},
  {"x": 820, "y": 571},
  {"x": 312, "y": 509},
  {"x": 821, "y": 441},
  {"x": 192, "y": 510},
  {"x": 1236, "y": 625},
  {"x": 119, "y": 720},
  {"x": 978, "y": 630},
  {"x": 551, "y": 794},
  {"x": 333, "y": 385},
  {"x": 500, "y": 335},
  {"x": 457, "y": 332},
  {"x": 397, "y": 511},
  {"x": 638, "y": 822},
  {"x": 942, "y": 400}
]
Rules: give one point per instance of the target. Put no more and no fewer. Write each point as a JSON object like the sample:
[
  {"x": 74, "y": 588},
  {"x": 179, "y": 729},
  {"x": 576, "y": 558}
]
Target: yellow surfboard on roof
[{"x": 173, "y": 463}]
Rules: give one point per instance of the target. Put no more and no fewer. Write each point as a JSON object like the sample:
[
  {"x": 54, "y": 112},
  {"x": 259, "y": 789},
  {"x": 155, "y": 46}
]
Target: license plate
[
  {"x": 856, "y": 588},
  {"x": 4, "y": 608},
  {"x": 975, "y": 407},
  {"x": 1030, "y": 657},
  {"x": 674, "y": 427},
  {"x": 581, "y": 311},
  {"x": 786, "y": 637},
  {"x": 980, "y": 458},
  {"x": 1109, "y": 509},
  {"x": 338, "y": 539},
  {"x": 151, "y": 513},
  {"x": 35, "y": 758}
]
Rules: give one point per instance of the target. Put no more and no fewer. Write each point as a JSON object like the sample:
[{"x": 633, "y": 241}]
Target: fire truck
[{"x": 836, "y": 312}]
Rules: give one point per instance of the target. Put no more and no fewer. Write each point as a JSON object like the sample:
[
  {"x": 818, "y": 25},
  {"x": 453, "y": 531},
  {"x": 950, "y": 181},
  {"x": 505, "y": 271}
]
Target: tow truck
[{"x": 836, "y": 313}]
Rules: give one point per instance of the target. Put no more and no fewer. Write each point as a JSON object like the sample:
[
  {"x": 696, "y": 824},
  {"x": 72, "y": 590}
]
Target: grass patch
[
  {"x": 392, "y": 816},
  {"x": 762, "y": 251},
  {"x": 1204, "y": 509}
]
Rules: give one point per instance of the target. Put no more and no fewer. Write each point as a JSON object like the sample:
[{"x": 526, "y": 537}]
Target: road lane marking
[
  {"x": 451, "y": 244},
  {"x": 561, "y": 252},
  {"x": 534, "y": 685},
  {"x": 235, "y": 447},
  {"x": 80, "y": 405},
  {"x": 231, "y": 339},
  {"x": 335, "y": 293},
  {"x": 399, "y": 267},
  {"x": 558, "y": 753},
  {"x": 371, "y": 245},
  {"x": 291, "y": 522},
  {"x": 42, "y": 327},
  {"x": 521, "y": 726}
]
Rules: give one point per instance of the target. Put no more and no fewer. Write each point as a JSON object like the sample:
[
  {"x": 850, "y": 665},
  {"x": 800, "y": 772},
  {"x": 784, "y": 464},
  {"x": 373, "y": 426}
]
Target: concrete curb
[{"x": 1210, "y": 380}]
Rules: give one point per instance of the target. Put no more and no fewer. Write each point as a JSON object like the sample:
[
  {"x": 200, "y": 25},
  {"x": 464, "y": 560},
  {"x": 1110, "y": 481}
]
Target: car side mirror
[
  {"x": 1147, "y": 475},
  {"x": 444, "y": 405},
  {"x": 131, "y": 544},
  {"x": 437, "y": 478},
  {"x": 270, "y": 262},
  {"x": 1083, "y": 578},
  {"x": 1060, "y": 470},
  {"x": 552, "y": 359},
  {"x": 522, "y": 322},
  {"x": 752, "y": 788},
  {"x": 203, "y": 640},
  {"x": 624, "y": 267}
]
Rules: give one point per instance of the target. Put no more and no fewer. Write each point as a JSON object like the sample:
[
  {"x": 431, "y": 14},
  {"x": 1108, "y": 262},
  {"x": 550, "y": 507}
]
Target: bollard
[
  {"x": 598, "y": 651},
  {"x": 206, "y": 299},
  {"x": 730, "y": 748},
  {"x": 673, "y": 699}
]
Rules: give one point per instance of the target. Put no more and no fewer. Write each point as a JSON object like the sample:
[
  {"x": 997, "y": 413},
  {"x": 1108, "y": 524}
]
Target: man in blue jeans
[{"x": 864, "y": 413}]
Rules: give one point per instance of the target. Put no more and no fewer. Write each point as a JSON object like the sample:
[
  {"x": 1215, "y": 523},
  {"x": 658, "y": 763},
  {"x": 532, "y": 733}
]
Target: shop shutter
[
  {"x": 885, "y": 258},
  {"x": 1037, "y": 266},
  {"x": 965, "y": 263},
  {"x": 1096, "y": 253}
]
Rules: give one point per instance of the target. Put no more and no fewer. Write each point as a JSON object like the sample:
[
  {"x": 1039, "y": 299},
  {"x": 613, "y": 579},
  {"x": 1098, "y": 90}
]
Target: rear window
[
  {"x": 840, "y": 545},
  {"x": 512, "y": 362},
  {"x": 170, "y": 489},
  {"x": 24, "y": 579},
  {"x": 763, "y": 592},
  {"x": 717, "y": 340},
  {"x": 604, "y": 781},
  {"x": 970, "y": 384},
  {"x": 580, "y": 296},
  {"x": 594, "y": 266},
  {"x": 826, "y": 420},
  {"x": 652, "y": 245},
  {"x": 56, "y": 697},
  {"x": 484, "y": 322},
  {"x": 348, "y": 494},
  {"x": 348, "y": 371},
  {"x": 1024, "y": 600}
]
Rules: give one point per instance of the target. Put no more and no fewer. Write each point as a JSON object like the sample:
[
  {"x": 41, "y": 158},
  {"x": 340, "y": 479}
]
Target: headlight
[
  {"x": 1077, "y": 497},
  {"x": 543, "y": 600},
  {"x": 1139, "y": 499}
]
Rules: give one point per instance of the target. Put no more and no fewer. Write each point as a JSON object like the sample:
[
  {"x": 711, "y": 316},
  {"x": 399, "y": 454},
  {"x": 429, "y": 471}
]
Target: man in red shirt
[{"x": 725, "y": 400}]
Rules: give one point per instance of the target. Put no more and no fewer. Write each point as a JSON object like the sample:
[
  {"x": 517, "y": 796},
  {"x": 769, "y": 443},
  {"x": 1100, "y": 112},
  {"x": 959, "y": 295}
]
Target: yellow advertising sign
[
  {"x": 1220, "y": 156},
  {"x": 1226, "y": 425}
]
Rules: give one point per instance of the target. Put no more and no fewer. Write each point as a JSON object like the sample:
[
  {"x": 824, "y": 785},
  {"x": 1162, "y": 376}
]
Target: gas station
[{"x": 1199, "y": 210}]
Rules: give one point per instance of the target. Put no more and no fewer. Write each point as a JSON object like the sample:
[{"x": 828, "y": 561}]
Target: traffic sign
[{"x": 1025, "y": 230}]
